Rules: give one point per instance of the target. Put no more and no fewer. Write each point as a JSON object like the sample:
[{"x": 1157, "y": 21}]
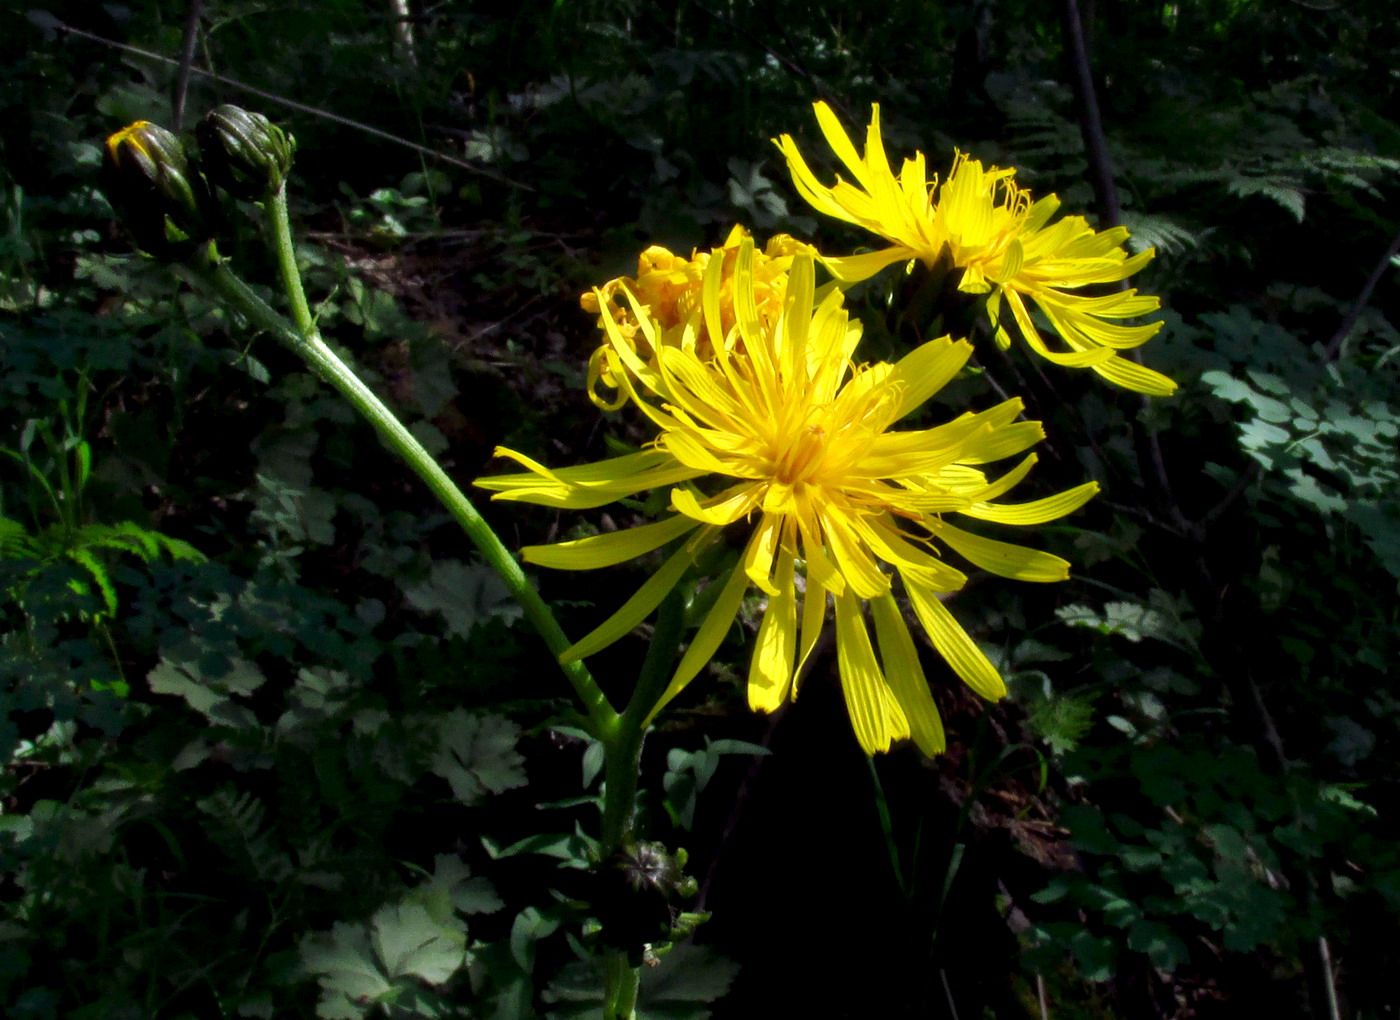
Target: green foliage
[
  {"x": 689, "y": 772},
  {"x": 298, "y": 773},
  {"x": 682, "y": 986},
  {"x": 399, "y": 960}
]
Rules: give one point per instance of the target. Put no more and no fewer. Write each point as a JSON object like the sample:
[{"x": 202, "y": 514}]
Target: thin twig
[
  {"x": 1334, "y": 346},
  {"x": 948, "y": 991},
  {"x": 292, "y": 104},
  {"x": 187, "y": 44},
  {"x": 1324, "y": 952},
  {"x": 1242, "y": 483}
]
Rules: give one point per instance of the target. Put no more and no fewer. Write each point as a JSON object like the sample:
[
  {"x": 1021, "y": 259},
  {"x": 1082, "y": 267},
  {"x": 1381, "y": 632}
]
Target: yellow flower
[
  {"x": 660, "y": 307},
  {"x": 1001, "y": 241},
  {"x": 794, "y": 437}
]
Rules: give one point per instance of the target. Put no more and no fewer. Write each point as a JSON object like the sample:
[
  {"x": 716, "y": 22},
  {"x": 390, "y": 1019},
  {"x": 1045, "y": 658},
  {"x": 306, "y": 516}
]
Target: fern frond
[
  {"x": 83, "y": 556},
  {"x": 1160, "y": 232},
  {"x": 240, "y": 816},
  {"x": 130, "y": 537},
  {"x": 16, "y": 542},
  {"x": 1286, "y": 191}
]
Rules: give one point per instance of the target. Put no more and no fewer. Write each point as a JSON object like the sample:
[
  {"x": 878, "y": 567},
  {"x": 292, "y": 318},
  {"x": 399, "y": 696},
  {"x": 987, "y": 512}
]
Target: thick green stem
[
  {"x": 624, "y": 981},
  {"x": 622, "y": 747},
  {"x": 308, "y": 345},
  {"x": 622, "y": 764}
]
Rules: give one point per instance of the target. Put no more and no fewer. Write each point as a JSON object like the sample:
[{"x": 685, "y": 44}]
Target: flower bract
[
  {"x": 1005, "y": 245},
  {"x": 781, "y": 436}
]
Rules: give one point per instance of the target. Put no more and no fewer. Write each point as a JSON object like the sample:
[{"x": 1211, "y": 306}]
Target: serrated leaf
[
  {"x": 1062, "y": 722},
  {"x": 209, "y": 693},
  {"x": 344, "y": 962},
  {"x": 409, "y": 941},
  {"x": 476, "y": 755},
  {"x": 465, "y": 594}
]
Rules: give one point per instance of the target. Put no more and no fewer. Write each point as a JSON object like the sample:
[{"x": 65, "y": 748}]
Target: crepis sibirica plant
[{"x": 788, "y": 464}]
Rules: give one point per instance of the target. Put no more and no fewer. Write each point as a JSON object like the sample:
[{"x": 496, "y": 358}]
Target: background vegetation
[{"x": 274, "y": 744}]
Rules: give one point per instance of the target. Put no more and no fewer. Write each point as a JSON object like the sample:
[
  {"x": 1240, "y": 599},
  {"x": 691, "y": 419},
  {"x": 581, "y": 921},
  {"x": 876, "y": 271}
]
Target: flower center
[{"x": 799, "y": 456}]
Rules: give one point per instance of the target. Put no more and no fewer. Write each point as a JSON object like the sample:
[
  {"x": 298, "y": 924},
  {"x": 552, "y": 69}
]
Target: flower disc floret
[{"x": 782, "y": 430}]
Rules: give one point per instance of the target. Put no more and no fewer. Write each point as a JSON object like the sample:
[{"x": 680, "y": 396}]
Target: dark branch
[
  {"x": 1090, "y": 124},
  {"x": 1334, "y": 346}
]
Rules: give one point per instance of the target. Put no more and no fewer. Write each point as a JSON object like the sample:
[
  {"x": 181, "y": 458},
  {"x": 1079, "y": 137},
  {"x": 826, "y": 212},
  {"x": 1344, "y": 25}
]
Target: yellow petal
[
  {"x": 726, "y": 508},
  {"x": 927, "y": 369},
  {"x": 996, "y": 444},
  {"x": 758, "y": 555},
  {"x": 587, "y": 485},
  {"x": 1037, "y": 511},
  {"x": 875, "y": 715},
  {"x": 952, "y": 642},
  {"x": 1137, "y": 378},
  {"x": 608, "y": 549},
  {"x": 813, "y": 620},
  {"x": 857, "y": 566},
  {"x": 770, "y": 670},
  {"x": 855, "y": 268},
  {"x": 636, "y": 609},
  {"x": 906, "y": 676},
  {"x": 1003, "y": 558}
]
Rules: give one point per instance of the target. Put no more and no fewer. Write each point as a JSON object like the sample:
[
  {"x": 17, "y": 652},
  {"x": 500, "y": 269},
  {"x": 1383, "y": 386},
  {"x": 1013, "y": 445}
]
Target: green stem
[
  {"x": 624, "y": 980},
  {"x": 281, "y": 226},
  {"x": 622, "y": 764},
  {"x": 622, "y": 747},
  {"x": 307, "y": 344},
  {"x": 622, "y": 734}
]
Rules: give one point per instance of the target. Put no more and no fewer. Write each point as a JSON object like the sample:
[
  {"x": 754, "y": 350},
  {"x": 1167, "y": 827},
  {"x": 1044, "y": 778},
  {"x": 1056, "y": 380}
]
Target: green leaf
[
  {"x": 1285, "y": 191},
  {"x": 465, "y": 594},
  {"x": 1088, "y": 831},
  {"x": 210, "y": 694},
  {"x": 679, "y": 987},
  {"x": 1154, "y": 938},
  {"x": 1096, "y": 956},
  {"x": 408, "y": 940},
  {"x": 1063, "y": 721},
  {"x": 574, "y": 848},
  {"x": 528, "y": 928},
  {"x": 344, "y": 964},
  {"x": 476, "y": 755}
]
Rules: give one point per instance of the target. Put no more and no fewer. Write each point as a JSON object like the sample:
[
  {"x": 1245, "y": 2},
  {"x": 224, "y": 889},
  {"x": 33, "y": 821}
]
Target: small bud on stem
[
  {"x": 244, "y": 153},
  {"x": 155, "y": 189}
]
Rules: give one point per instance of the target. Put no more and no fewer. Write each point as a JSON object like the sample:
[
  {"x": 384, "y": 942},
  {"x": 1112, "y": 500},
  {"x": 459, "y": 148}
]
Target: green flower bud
[
  {"x": 244, "y": 153},
  {"x": 159, "y": 195}
]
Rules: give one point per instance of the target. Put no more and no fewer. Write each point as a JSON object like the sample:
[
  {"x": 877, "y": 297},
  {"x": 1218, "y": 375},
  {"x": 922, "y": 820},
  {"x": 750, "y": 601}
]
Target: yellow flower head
[
  {"x": 1002, "y": 241},
  {"x": 660, "y": 306},
  {"x": 781, "y": 429}
]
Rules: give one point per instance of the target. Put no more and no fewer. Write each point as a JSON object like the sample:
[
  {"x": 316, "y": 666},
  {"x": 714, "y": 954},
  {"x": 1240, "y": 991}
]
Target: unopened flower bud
[
  {"x": 159, "y": 195},
  {"x": 244, "y": 153},
  {"x": 637, "y": 892}
]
